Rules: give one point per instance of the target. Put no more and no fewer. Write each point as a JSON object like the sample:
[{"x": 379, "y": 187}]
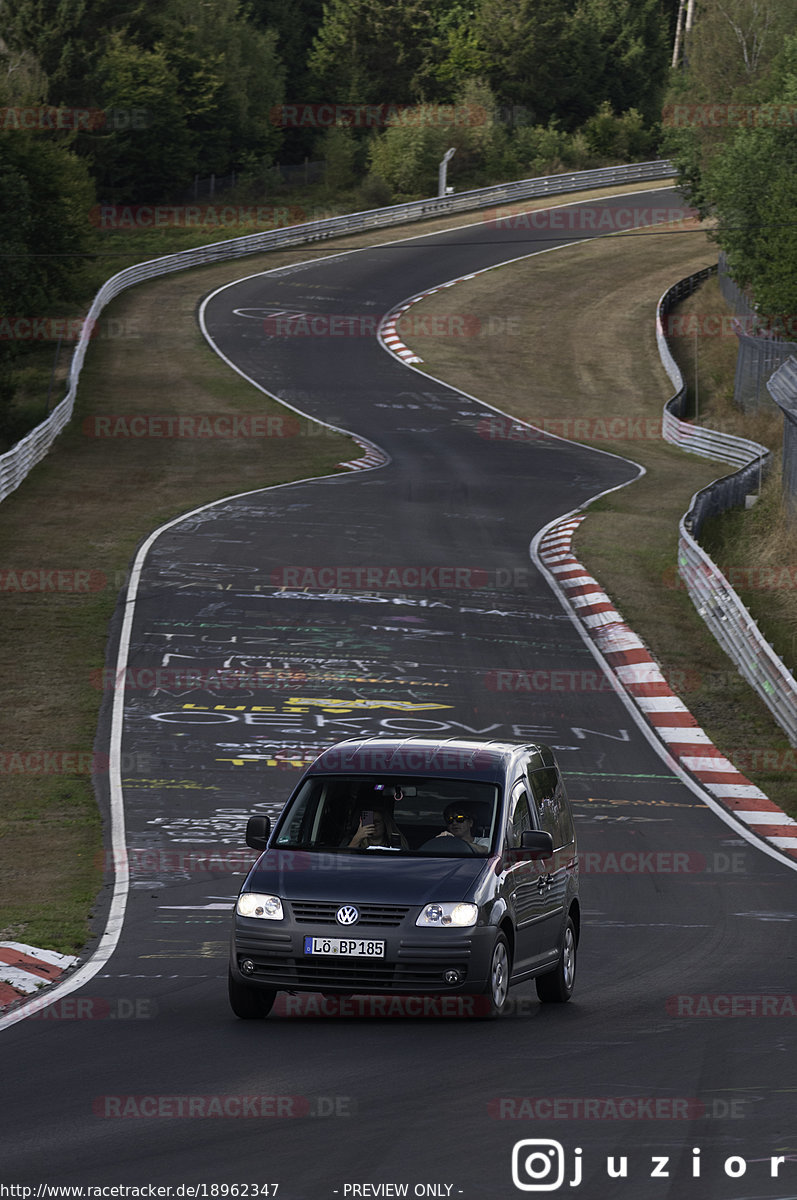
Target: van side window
[
  {"x": 552, "y": 805},
  {"x": 519, "y": 815}
]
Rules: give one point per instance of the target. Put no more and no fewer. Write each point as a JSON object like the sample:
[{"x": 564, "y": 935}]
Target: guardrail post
[{"x": 782, "y": 387}]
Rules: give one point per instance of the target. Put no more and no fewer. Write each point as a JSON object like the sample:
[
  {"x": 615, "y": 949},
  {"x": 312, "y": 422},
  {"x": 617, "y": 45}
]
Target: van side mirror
[
  {"x": 538, "y": 843},
  {"x": 257, "y": 832}
]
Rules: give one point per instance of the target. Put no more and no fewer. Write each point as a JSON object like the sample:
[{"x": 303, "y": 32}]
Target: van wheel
[
  {"x": 248, "y": 1003},
  {"x": 556, "y": 987},
  {"x": 498, "y": 980}
]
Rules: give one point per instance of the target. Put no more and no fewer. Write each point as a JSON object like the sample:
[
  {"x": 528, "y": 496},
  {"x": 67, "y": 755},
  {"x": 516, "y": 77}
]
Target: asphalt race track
[{"x": 388, "y": 600}]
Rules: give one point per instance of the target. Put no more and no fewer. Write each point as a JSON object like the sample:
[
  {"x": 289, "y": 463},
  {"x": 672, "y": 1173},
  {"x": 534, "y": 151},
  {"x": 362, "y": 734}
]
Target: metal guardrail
[
  {"x": 17, "y": 462},
  {"x": 710, "y": 592},
  {"x": 697, "y": 439}
]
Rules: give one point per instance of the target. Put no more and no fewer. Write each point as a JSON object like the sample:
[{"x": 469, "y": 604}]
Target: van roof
[{"x": 469, "y": 757}]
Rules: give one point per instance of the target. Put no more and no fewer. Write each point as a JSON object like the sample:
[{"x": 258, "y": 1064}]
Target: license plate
[{"x": 350, "y": 947}]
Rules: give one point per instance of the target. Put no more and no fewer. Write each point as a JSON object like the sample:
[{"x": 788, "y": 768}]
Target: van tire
[
  {"x": 497, "y": 990},
  {"x": 248, "y": 1003},
  {"x": 556, "y": 987}
]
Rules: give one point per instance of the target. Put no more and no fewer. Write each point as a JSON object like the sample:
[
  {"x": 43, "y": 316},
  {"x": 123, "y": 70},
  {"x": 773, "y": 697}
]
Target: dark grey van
[{"x": 412, "y": 867}]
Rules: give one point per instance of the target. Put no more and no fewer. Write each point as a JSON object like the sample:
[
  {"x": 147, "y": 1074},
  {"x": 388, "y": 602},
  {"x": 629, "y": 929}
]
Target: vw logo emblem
[{"x": 347, "y": 914}]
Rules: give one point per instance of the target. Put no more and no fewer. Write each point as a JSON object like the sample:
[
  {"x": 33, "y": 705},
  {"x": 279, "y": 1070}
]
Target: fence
[
  {"x": 295, "y": 173},
  {"x": 17, "y": 462},
  {"x": 758, "y": 355},
  {"x": 782, "y": 388},
  {"x": 713, "y": 597}
]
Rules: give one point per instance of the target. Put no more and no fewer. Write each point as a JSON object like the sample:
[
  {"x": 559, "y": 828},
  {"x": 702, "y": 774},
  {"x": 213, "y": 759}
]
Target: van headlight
[
  {"x": 447, "y": 916},
  {"x": 255, "y": 904}
]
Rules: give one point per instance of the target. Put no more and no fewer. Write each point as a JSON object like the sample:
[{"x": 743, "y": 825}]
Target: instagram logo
[{"x": 538, "y": 1165}]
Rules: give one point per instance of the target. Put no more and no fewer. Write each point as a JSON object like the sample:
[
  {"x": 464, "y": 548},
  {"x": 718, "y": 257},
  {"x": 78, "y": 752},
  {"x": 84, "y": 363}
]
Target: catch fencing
[
  {"x": 758, "y": 355},
  {"x": 782, "y": 388},
  {"x": 17, "y": 462},
  {"x": 711, "y": 593}
]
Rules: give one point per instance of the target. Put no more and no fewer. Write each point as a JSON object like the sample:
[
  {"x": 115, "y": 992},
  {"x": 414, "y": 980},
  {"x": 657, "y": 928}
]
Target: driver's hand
[{"x": 362, "y": 833}]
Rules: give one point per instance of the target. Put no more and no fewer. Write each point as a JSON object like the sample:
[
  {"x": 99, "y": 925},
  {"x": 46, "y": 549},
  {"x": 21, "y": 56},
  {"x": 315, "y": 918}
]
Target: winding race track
[{"x": 399, "y": 599}]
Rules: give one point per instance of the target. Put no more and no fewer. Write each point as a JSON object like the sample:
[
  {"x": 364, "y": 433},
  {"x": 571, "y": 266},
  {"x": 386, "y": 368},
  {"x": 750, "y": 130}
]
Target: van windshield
[{"x": 389, "y": 815}]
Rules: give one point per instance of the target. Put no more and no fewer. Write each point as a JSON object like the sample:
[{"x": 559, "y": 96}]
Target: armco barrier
[
  {"x": 712, "y": 595},
  {"x": 697, "y": 439},
  {"x": 21, "y": 458}
]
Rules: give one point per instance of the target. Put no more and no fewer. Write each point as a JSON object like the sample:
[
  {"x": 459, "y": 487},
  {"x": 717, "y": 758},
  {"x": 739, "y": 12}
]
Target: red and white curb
[
  {"x": 643, "y": 681},
  {"x": 388, "y": 330},
  {"x": 373, "y": 457},
  {"x": 24, "y": 970}
]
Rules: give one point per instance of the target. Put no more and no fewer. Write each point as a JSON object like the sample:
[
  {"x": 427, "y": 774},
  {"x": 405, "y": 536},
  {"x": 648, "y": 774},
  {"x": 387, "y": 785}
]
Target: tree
[
  {"x": 752, "y": 181},
  {"x": 294, "y": 23},
  {"x": 633, "y": 54},
  {"x": 159, "y": 154},
  {"x": 371, "y": 51},
  {"x": 189, "y": 87},
  {"x": 68, "y": 37},
  {"x": 562, "y": 58},
  {"x": 536, "y": 57}
]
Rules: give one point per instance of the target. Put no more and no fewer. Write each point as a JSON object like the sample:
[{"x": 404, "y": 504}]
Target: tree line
[
  {"x": 730, "y": 123},
  {"x": 125, "y": 102}
]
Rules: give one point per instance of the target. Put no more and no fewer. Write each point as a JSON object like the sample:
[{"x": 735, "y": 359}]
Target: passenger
[
  {"x": 460, "y": 824},
  {"x": 382, "y": 831}
]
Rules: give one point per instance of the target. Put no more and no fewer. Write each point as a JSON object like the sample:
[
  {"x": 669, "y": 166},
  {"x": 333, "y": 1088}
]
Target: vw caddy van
[{"x": 412, "y": 867}]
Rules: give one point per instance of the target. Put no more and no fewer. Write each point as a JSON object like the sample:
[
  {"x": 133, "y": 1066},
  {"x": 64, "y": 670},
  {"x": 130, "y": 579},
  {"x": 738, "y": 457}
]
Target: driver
[{"x": 459, "y": 823}]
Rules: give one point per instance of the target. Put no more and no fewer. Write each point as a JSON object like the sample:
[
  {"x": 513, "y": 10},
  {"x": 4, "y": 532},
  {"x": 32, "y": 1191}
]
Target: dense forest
[
  {"x": 124, "y": 102},
  {"x": 731, "y": 126}
]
